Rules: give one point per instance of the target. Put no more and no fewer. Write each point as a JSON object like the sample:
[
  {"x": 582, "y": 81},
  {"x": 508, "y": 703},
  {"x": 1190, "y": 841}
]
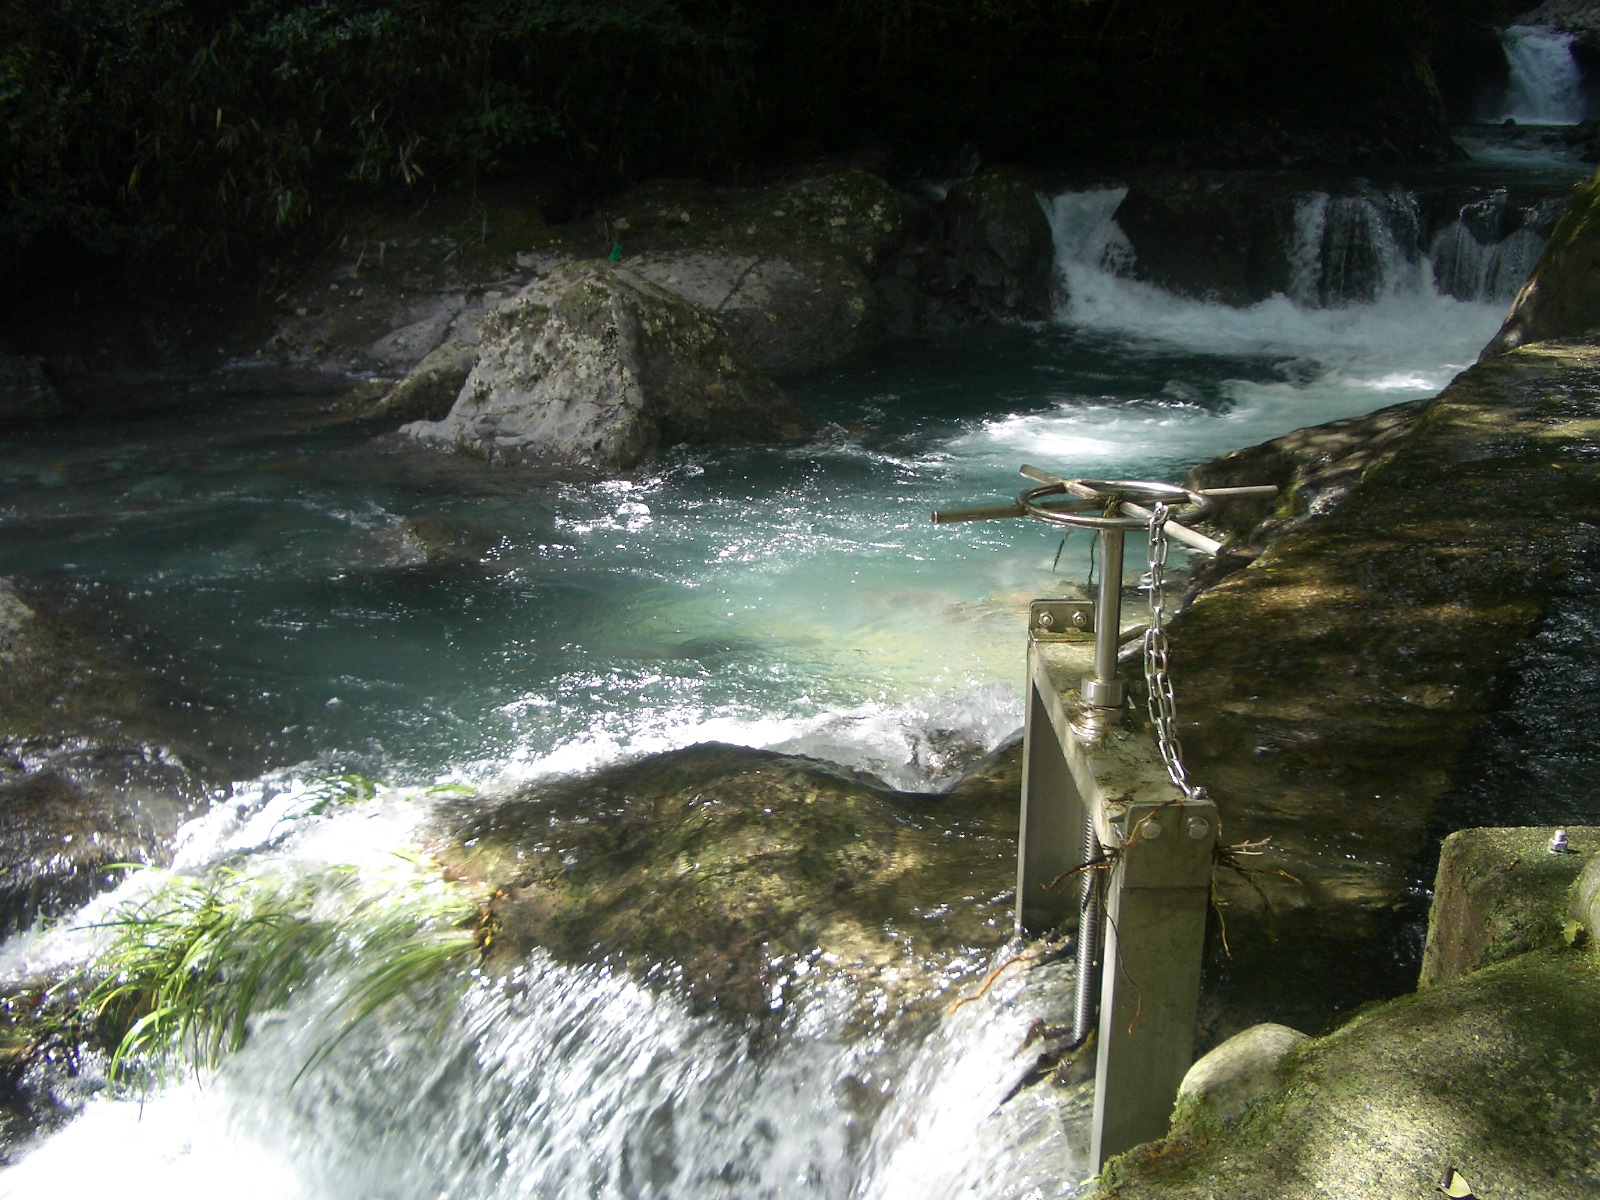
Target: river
[{"x": 428, "y": 623}]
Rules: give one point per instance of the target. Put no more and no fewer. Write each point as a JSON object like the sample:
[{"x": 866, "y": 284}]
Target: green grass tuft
[{"x": 189, "y": 965}]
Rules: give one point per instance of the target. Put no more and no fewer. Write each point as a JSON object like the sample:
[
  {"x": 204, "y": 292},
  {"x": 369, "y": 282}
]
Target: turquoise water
[{"x": 418, "y": 618}]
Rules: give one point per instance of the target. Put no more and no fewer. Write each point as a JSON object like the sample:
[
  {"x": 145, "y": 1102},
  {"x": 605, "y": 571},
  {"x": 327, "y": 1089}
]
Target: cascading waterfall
[
  {"x": 784, "y": 598},
  {"x": 1545, "y": 86}
]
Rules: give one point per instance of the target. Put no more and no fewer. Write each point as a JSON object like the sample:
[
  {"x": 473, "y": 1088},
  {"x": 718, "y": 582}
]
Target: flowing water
[
  {"x": 426, "y": 621},
  {"x": 1546, "y": 85}
]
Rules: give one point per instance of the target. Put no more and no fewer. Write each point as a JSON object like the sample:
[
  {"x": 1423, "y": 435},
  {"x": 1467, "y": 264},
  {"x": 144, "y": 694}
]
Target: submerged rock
[
  {"x": 594, "y": 365},
  {"x": 739, "y": 874}
]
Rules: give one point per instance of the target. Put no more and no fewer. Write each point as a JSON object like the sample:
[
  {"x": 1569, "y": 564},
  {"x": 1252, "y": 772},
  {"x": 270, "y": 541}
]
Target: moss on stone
[
  {"x": 1496, "y": 1074},
  {"x": 751, "y": 862}
]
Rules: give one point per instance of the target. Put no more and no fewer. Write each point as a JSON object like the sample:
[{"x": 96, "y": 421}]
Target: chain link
[{"x": 1162, "y": 703}]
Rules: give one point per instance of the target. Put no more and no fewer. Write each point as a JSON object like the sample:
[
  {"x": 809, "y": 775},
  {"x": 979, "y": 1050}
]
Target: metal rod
[
  {"x": 1103, "y": 689},
  {"x": 1175, "y": 531},
  {"x": 1086, "y": 1002}
]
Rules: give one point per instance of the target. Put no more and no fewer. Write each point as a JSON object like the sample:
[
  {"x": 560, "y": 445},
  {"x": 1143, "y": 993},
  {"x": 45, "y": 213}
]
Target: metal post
[
  {"x": 1103, "y": 689},
  {"x": 1105, "y": 801},
  {"x": 1150, "y": 989},
  {"x": 1108, "y": 783}
]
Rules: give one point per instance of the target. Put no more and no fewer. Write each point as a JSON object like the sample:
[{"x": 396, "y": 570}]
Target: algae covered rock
[
  {"x": 737, "y": 875},
  {"x": 1500, "y": 893},
  {"x": 1488, "y": 1073},
  {"x": 1493, "y": 1075},
  {"x": 594, "y": 365},
  {"x": 1241, "y": 1072}
]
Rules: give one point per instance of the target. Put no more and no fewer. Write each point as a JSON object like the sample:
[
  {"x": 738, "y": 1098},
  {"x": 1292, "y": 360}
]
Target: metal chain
[{"x": 1162, "y": 703}]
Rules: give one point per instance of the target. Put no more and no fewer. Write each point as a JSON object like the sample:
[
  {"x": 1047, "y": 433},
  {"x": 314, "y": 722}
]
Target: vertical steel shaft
[
  {"x": 1103, "y": 689},
  {"x": 1086, "y": 1003}
]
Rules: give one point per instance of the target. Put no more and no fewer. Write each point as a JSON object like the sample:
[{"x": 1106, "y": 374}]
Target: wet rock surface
[
  {"x": 757, "y": 871},
  {"x": 1330, "y": 694},
  {"x": 91, "y": 775}
]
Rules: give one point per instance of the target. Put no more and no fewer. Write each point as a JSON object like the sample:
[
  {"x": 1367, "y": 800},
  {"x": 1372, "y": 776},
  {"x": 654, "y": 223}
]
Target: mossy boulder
[
  {"x": 1502, "y": 892},
  {"x": 1493, "y": 1075},
  {"x": 1490, "y": 1070},
  {"x": 738, "y": 875},
  {"x": 593, "y": 365}
]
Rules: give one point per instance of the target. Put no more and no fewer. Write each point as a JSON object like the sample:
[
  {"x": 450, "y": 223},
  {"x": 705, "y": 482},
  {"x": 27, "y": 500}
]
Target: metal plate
[{"x": 1061, "y": 620}]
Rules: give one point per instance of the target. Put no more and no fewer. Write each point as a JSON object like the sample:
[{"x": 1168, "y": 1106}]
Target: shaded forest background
[{"x": 196, "y": 131}]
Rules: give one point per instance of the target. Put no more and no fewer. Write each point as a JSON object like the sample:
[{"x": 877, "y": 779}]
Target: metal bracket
[{"x": 1061, "y": 620}]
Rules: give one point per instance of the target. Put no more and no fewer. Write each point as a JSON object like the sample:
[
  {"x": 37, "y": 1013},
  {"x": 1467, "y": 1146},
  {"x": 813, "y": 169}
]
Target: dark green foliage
[{"x": 200, "y": 125}]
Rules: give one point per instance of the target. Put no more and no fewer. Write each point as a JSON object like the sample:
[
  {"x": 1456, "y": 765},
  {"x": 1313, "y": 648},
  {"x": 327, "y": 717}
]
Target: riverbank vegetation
[{"x": 192, "y": 131}]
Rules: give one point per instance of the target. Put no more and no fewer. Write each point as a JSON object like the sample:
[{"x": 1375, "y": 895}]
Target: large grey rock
[
  {"x": 796, "y": 308},
  {"x": 596, "y": 366}
]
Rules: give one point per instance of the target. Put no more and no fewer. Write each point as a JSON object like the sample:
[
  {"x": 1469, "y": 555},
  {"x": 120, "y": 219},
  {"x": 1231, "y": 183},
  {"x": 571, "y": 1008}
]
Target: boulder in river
[
  {"x": 594, "y": 365},
  {"x": 739, "y": 874}
]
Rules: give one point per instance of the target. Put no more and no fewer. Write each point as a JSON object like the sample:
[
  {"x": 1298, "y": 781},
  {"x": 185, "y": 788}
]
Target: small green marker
[{"x": 616, "y": 252}]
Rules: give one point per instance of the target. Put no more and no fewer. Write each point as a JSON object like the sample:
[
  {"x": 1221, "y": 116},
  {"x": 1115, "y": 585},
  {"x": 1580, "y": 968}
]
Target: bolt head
[
  {"x": 1198, "y": 828},
  {"x": 1046, "y": 620}
]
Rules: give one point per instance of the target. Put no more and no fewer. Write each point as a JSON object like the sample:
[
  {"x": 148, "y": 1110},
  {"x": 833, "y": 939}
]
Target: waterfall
[
  {"x": 1353, "y": 249},
  {"x": 1340, "y": 252},
  {"x": 1546, "y": 87}
]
